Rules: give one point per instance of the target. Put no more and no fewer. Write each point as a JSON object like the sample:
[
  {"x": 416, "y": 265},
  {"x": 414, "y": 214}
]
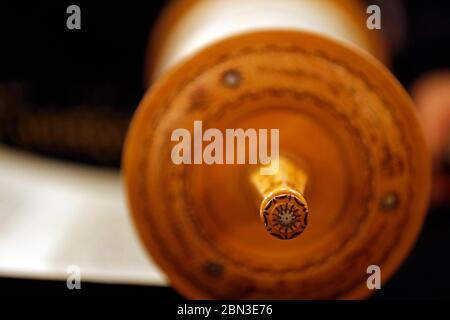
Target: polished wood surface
[{"x": 340, "y": 113}]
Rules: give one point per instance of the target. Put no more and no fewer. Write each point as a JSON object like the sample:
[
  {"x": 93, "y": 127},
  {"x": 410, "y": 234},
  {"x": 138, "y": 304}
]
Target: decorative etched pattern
[{"x": 285, "y": 216}]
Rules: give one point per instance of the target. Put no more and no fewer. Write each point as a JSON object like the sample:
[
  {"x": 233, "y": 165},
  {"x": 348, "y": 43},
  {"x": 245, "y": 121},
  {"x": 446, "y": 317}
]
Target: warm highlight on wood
[{"x": 283, "y": 209}]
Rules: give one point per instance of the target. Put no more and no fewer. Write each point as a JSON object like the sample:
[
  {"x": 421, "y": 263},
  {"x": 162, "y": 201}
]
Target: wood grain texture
[{"x": 338, "y": 110}]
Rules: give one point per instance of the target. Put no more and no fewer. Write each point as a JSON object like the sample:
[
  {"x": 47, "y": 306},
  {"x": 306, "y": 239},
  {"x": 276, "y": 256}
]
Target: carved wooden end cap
[{"x": 284, "y": 214}]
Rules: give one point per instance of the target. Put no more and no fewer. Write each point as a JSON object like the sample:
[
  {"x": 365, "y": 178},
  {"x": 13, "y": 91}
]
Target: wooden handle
[{"x": 283, "y": 209}]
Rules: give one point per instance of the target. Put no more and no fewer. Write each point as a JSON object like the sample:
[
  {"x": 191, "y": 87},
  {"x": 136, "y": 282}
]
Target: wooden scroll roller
[{"x": 353, "y": 178}]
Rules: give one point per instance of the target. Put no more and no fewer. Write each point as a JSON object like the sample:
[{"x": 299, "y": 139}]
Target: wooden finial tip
[{"x": 284, "y": 214}]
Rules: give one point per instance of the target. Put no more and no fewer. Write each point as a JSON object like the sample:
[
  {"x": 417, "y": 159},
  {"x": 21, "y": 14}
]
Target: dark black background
[{"x": 64, "y": 65}]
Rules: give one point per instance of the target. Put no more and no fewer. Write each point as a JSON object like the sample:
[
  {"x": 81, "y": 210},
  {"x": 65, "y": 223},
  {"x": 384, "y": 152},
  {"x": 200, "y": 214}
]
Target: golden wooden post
[{"x": 283, "y": 210}]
